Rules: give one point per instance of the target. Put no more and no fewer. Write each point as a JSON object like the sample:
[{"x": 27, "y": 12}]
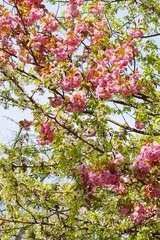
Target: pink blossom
[
  {"x": 78, "y": 99},
  {"x": 152, "y": 192},
  {"x": 66, "y": 85},
  {"x": 39, "y": 38},
  {"x": 35, "y": 15},
  {"x": 96, "y": 8},
  {"x": 95, "y": 81},
  {"x": 115, "y": 81},
  {"x": 140, "y": 213},
  {"x": 124, "y": 210},
  {"x": 150, "y": 151},
  {"x": 72, "y": 12},
  {"x": 8, "y": 22},
  {"x": 104, "y": 178},
  {"x": 41, "y": 142},
  {"x": 120, "y": 189},
  {"x": 35, "y": 2},
  {"x": 134, "y": 33},
  {"x": 81, "y": 27},
  {"x": 26, "y": 59},
  {"x": 25, "y": 124},
  {"x": 72, "y": 42},
  {"x": 102, "y": 92},
  {"x": 76, "y": 2},
  {"x": 102, "y": 23},
  {"x": 49, "y": 25},
  {"x": 47, "y": 134},
  {"x": 71, "y": 81},
  {"x": 13, "y": 65},
  {"x": 139, "y": 124},
  {"x": 90, "y": 73},
  {"x": 55, "y": 102},
  {"x": 98, "y": 33},
  {"x": 147, "y": 159},
  {"x": 119, "y": 158},
  {"x": 60, "y": 51}
]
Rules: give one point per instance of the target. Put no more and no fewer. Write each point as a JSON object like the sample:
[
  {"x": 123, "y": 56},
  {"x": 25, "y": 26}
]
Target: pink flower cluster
[
  {"x": 150, "y": 152},
  {"x": 114, "y": 81},
  {"x": 76, "y": 2},
  {"x": 139, "y": 124},
  {"x": 95, "y": 30},
  {"x": 25, "y": 124},
  {"x": 103, "y": 179},
  {"x": 38, "y": 41},
  {"x": 142, "y": 169},
  {"x": 81, "y": 27},
  {"x": 96, "y": 8},
  {"x": 148, "y": 158},
  {"x": 47, "y": 134},
  {"x": 55, "y": 102},
  {"x": 71, "y": 81},
  {"x": 140, "y": 213},
  {"x": 78, "y": 33},
  {"x": 35, "y": 16},
  {"x": 59, "y": 50},
  {"x": 49, "y": 24},
  {"x": 152, "y": 192},
  {"x": 78, "y": 101},
  {"x": 35, "y": 2},
  {"x": 119, "y": 159},
  {"x": 7, "y": 22},
  {"x": 3, "y": 56},
  {"x": 134, "y": 33},
  {"x": 72, "y": 9},
  {"x": 72, "y": 41}
]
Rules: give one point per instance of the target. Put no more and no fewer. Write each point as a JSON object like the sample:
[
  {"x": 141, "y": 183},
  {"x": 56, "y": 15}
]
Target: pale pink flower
[
  {"x": 134, "y": 33},
  {"x": 140, "y": 213},
  {"x": 139, "y": 124},
  {"x": 55, "y": 102},
  {"x": 25, "y": 124},
  {"x": 96, "y": 8},
  {"x": 49, "y": 25},
  {"x": 102, "y": 93},
  {"x": 81, "y": 27},
  {"x": 47, "y": 134},
  {"x": 35, "y": 16},
  {"x": 119, "y": 158},
  {"x": 78, "y": 99},
  {"x": 98, "y": 33}
]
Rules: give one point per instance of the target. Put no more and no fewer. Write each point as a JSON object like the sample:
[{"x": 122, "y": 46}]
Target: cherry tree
[{"x": 87, "y": 165}]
